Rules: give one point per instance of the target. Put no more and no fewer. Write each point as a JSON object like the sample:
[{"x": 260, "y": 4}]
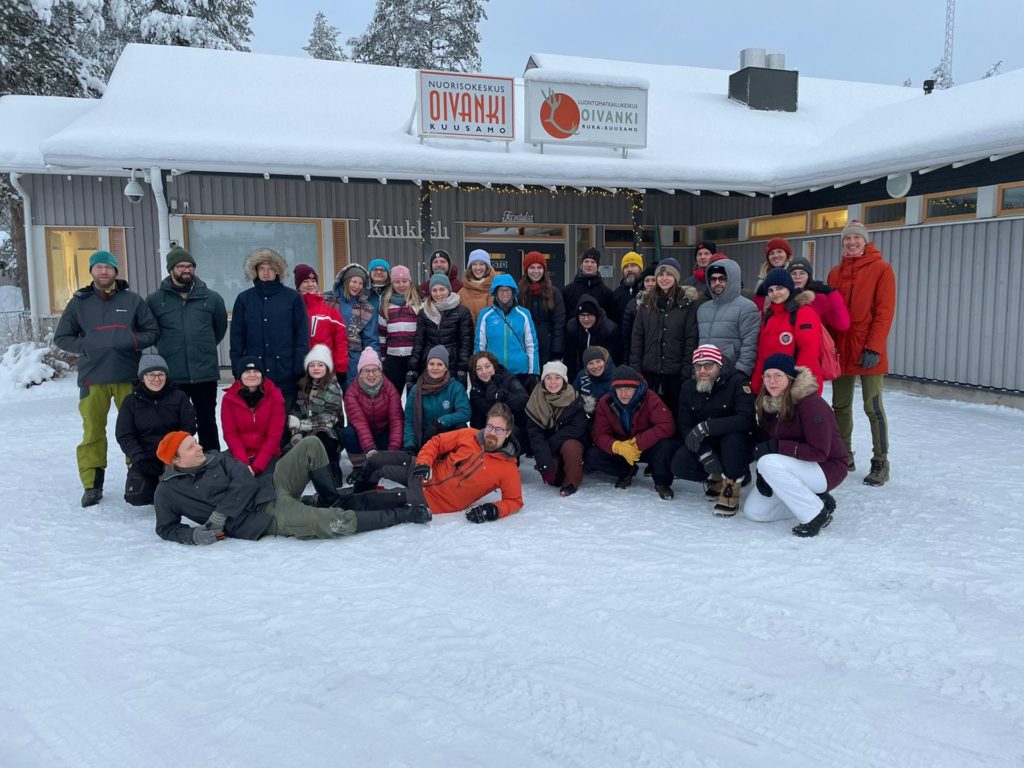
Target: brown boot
[
  {"x": 713, "y": 487},
  {"x": 729, "y": 499},
  {"x": 879, "y": 473}
]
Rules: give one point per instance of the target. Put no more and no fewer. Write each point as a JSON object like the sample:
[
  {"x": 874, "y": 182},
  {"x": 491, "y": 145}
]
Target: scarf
[
  {"x": 433, "y": 309},
  {"x": 536, "y": 288},
  {"x": 397, "y": 300},
  {"x": 251, "y": 398},
  {"x": 546, "y": 408},
  {"x": 371, "y": 391},
  {"x": 426, "y": 386}
]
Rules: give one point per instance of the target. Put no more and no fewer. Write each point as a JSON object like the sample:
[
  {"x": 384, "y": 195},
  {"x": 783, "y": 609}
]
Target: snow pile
[{"x": 23, "y": 365}]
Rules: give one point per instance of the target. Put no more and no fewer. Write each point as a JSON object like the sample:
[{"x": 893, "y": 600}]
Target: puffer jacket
[
  {"x": 318, "y": 408},
  {"x": 502, "y": 388},
  {"x": 327, "y": 327},
  {"x": 369, "y": 416},
  {"x": 730, "y": 321},
  {"x": 665, "y": 333},
  {"x": 253, "y": 436},
  {"x": 548, "y": 323},
  {"x": 868, "y": 287},
  {"x": 269, "y": 321},
  {"x": 796, "y": 335},
  {"x": 448, "y": 408},
  {"x": 604, "y": 333},
  {"x": 508, "y": 334},
  {"x": 454, "y": 333},
  {"x": 572, "y": 424},
  {"x": 190, "y": 330},
  {"x": 829, "y": 304},
  {"x": 651, "y": 420},
  {"x": 145, "y": 417}
]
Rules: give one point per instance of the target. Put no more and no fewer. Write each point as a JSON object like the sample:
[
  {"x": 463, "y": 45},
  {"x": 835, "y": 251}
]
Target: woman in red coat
[
  {"x": 374, "y": 408},
  {"x": 790, "y": 327},
  {"x": 828, "y": 302},
  {"x": 252, "y": 415},
  {"x": 326, "y": 325}
]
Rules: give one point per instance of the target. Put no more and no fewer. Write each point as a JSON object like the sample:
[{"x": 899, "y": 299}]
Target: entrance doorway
[{"x": 507, "y": 257}]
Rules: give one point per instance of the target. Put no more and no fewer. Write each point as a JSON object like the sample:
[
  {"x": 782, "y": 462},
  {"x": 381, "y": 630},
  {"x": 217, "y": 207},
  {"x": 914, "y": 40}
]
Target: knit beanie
[
  {"x": 102, "y": 257},
  {"x": 624, "y": 376},
  {"x": 398, "y": 272},
  {"x": 534, "y": 257},
  {"x": 852, "y": 228},
  {"x": 707, "y": 353},
  {"x": 479, "y": 254},
  {"x": 168, "y": 447},
  {"x": 303, "y": 272},
  {"x": 354, "y": 270},
  {"x": 649, "y": 271},
  {"x": 632, "y": 258},
  {"x": 591, "y": 253},
  {"x": 556, "y": 367},
  {"x": 781, "y": 362},
  {"x": 716, "y": 269},
  {"x": 379, "y": 264},
  {"x": 176, "y": 256},
  {"x": 440, "y": 352},
  {"x": 440, "y": 279},
  {"x": 800, "y": 263},
  {"x": 249, "y": 363},
  {"x": 320, "y": 353},
  {"x": 779, "y": 276},
  {"x": 778, "y": 242},
  {"x": 368, "y": 358},
  {"x": 595, "y": 352},
  {"x": 671, "y": 266},
  {"x": 444, "y": 255},
  {"x": 150, "y": 363},
  {"x": 708, "y": 244}
]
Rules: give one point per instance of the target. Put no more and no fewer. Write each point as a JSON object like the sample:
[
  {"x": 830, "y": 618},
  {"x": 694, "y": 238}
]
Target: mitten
[
  {"x": 696, "y": 436},
  {"x": 548, "y": 475},
  {"x": 869, "y": 359},
  {"x": 202, "y": 536},
  {"x": 482, "y": 513},
  {"x": 711, "y": 463},
  {"x": 293, "y": 422}
]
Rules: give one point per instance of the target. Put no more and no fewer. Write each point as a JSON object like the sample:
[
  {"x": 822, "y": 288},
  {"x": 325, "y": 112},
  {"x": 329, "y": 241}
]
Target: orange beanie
[{"x": 168, "y": 447}]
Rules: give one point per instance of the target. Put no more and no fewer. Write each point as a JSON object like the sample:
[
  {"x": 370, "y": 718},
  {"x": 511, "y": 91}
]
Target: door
[{"x": 507, "y": 257}]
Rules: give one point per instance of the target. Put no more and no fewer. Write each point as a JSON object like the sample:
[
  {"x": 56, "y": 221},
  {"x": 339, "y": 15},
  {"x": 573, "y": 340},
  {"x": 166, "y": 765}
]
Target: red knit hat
[
  {"x": 168, "y": 447},
  {"x": 707, "y": 353},
  {"x": 303, "y": 272},
  {"x": 778, "y": 242},
  {"x": 534, "y": 257}
]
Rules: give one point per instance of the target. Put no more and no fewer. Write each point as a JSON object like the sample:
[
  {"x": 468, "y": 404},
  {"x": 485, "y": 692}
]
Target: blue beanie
[
  {"x": 478, "y": 255},
  {"x": 379, "y": 264},
  {"x": 103, "y": 257},
  {"x": 781, "y": 362},
  {"x": 779, "y": 276}
]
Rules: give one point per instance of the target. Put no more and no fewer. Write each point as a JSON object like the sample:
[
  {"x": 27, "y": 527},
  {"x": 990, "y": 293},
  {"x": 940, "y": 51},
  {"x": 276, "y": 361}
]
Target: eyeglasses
[
  {"x": 778, "y": 376},
  {"x": 705, "y": 366},
  {"x": 718, "y": 279},
  {"x": 499, "y": 431},
  {"x": 155, "y": 375}
]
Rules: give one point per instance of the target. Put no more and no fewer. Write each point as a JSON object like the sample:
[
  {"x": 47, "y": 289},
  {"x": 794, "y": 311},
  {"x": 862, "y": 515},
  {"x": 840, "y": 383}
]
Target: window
[
  {"x": 887, "y": 213},
  {"x": 771, "y": 226},
  {"x": 221, "y": 246},
  {"x": 513, "y": 232},
  {"x": 622, "y": 237},
  {"x": 67, "y": 256},
  {"x": 828, "y": 219},
  {"x": 721, "y": 232},
  {"x": 959, "y": 204},
  {"x": 1011, "y": 199},
  {"x": 584, "y": 239}
]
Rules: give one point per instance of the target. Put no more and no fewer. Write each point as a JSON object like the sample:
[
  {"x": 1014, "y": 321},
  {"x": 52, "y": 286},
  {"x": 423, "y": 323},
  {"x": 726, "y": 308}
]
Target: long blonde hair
[{"x": 412, "y": 298}]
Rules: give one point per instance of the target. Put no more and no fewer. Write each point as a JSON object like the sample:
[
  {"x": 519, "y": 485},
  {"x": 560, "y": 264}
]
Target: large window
[
  {"x": 512, "y": 232},
  {"x": 221, "y": 246},
  {"x": 584, "y": 239},
  {"x": 1011, "y": 199},
  {"x": 887, "y": 213},
  {"x": 622, "y": 237},
  {"x": 772, "y": 226},
  {"x": 67, "y": 255},
  {"x": 959, "y": 204},
  {"x": 828, "y": 219},
  {"x": 721, "y": 232}
]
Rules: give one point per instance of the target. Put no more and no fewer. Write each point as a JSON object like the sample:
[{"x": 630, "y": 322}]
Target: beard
[
  {"x": 185, "y": 281},
  {"x": 704, "y": 385},
  {"x": 492, "y": 443},
  {"x": 629, "y": 280}
]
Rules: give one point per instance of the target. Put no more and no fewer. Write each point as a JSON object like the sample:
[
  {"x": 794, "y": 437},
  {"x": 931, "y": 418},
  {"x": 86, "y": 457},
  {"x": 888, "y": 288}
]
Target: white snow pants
[{"x": 795, "y": 484}]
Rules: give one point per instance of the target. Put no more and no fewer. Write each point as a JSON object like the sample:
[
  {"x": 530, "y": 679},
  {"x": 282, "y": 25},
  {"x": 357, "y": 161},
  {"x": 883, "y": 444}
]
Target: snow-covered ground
[{"x": 610, "y": 629}]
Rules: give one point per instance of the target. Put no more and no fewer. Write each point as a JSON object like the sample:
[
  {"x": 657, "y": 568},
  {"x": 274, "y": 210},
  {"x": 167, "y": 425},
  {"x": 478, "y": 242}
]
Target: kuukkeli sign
[
  {"x": 466, "y": 106},
  {"x": 586, "y": 114}
]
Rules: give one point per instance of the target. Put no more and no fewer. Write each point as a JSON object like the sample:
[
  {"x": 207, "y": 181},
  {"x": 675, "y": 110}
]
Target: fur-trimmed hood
[
  {"x": 266, "y": 256},
  {"x": 803, "y": 385},
  {"x": 681, "y": 296},
  {"x": 796, "y": 300}
]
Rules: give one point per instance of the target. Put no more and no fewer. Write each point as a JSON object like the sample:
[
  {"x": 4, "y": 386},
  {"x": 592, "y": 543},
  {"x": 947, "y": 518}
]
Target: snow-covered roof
[
  {"x": 208, "y": 110},
  {"x": 25, "y": 121}
]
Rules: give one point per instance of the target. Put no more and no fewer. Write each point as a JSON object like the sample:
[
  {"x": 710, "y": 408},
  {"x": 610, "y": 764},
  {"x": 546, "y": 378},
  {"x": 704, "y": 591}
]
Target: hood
[
  {"x": 586, "y": 300},
  {"x": 732, "y": 288},
  {"x": 681, "y": 296},
  {"x": 510, "y": 450},
  {"x": 261, "y": 255},
  {"x": 504, "y": 281},
  {"x": 803, "y": 385}
]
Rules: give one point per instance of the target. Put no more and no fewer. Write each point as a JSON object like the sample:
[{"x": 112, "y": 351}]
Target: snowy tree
[
  {"x": 994, "y": 70},
  {"x": 225, "y": 24},
  {"x": 943, "y": 78},
  {"x": 323, "y": 40},
  {"x": 908, "y": 83},
  {"x": 423, "y": 34}
]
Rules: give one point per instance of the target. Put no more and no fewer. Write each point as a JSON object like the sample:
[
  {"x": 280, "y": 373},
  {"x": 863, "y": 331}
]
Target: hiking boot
[
  {"x": 624, "y": 482},
  {"x": 830, "y": 503},
  {"x": 567, "y": 490},
  {"x": 92, "y": 497},
  {"x": 665, "y": 492},
  {"x": 821, "y": 520},
  {"x": 729, "y": 499},
  {"x": 879, "y": 472},
  {"x": 415, "y": 513},
  {"x": 713, "y": 487},
  {"x": 851, "y": 465}
]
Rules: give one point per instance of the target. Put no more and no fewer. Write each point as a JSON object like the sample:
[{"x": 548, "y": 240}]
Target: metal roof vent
[{"x": 763, "y": 82}]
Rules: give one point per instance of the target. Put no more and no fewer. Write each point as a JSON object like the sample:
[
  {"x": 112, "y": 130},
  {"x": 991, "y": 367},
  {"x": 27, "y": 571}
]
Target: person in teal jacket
[
  {"x": 436, "y": 403},
  {"x": 506, "y": 330}
]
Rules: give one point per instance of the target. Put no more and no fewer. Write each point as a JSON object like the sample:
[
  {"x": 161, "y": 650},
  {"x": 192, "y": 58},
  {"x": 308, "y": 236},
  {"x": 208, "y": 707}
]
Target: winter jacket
[
  {"x": 453, "y": 278},
  {"x": 375, "y": 294},
  {"x": 190, "y": 330},
  {"x": 800, "y": 338},
  {"x": 462, "y": 472},
  {"x": 587, "y": 286},
  {"x": 444, "y": 410},
  {"x": 108, "y": 331},
  {"x": 145, "y": 417},
  {"x": 812, "y": 434},
  {"x": 665, "y": 333},
  {"x": 455, "y": 333},
  {"x": 626, "y": 327},
  {"x": 621, "y": 297},
  {"x": 370, "y": 416},
  {"x": 829, "y": 304},
  {"x": 508, "y": 334},
  {"x": 502, "y": 388},
  {"x": 728, "y": 407},
  {"x": 593, "y": 388},
  {"x": 650, "y": 423},
  {"x": 253, "y": 436},
  {"x": 730, "y": 321},
  {"x": 269, "y": 321},
  {"x": 396, "y": 329},
  {"x": 697, "y": 282},
  {"x": 328, "y": 328},
  {"x": 548, "y": 323},
  {"x": 222, "y": 484},
  {"x": 476, "y": 295},
  {"x": 572, "y": 424},
  {"x": 604, "y": 333},
  {"x": 868, "y": 287},
  {"x": 360, "y": 324},
  {"x": 318, "y": 408}
]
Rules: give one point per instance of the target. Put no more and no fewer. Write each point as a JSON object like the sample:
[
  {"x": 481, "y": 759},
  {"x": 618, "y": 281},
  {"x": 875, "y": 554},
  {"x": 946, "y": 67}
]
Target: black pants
[
  {"x": 139, "y": 487},
  {"x": 667, "y": 387},
  {"x": 657, "y": 457},
  {"x": 331, "y": 444},
  {"x": 396, "y": 466},
  {"x": 395, "y": 369},
  {"x": 735, "y": 450},
  {"x": 203, "y": 395}
]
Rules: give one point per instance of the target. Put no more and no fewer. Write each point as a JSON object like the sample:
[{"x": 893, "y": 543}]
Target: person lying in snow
[{"x": 225, "y": 499}]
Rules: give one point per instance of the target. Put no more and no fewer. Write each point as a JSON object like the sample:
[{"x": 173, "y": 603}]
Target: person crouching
[{"x": 559, "y": 428}]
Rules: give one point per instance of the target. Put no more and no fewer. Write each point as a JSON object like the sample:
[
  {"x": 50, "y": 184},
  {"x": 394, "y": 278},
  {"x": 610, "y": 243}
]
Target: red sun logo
[{"x": 560, "y": 115}]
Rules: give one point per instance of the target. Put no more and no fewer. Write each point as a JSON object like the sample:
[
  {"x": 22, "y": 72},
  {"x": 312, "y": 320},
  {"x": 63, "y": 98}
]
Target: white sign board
[
  {"x": 466, "y": 106},
  {"x": 585, "y": 115}
]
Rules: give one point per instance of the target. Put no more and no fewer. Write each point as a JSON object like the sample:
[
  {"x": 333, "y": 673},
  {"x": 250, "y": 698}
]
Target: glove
[
  {"x": 762, "y": 486},
  {"x": 709, "y": 460},
  {"x": 203, "y": 535},
  {"x": 696, "y": 436},
  {"x": 763, "y": 449},
  {"x": 482, "y": 513},
  {"x": 627, "y": 449},
  {"x": 869, "y": 359},
  {"x": 422, "y": 471},
  {"x": 410, "y": 377},
  {"x": 293, "y": 422},
  {"x": 216, "y": 521},
  {"x": 547, "y": 475}
]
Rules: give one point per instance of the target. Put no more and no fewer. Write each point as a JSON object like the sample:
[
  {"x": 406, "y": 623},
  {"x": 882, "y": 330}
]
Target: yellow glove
[{"x": 627, "y": 449}]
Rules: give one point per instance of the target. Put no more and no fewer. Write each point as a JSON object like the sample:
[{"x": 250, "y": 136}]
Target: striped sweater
[{"x": 397, "y": 329}]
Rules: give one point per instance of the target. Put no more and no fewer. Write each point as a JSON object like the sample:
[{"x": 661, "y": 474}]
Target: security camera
[{"x": 133, "y": 190}]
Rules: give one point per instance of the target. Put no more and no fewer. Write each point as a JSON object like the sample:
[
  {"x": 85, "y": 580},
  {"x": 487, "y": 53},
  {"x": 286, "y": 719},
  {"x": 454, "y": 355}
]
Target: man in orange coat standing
[
  {"x": 454, "y": 470},
  {"x": 868, "y": 287}
]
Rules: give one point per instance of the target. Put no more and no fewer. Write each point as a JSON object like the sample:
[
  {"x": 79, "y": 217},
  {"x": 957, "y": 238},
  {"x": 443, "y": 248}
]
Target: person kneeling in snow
[
  {"x": 801, "y": 456},
  {"x": 455, "y": 469},
  {"x": 219, "y": 493}
]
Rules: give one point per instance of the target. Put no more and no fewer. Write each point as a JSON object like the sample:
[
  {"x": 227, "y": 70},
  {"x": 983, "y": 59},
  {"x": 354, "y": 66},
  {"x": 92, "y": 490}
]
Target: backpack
[{"x": 828, "y": 357}]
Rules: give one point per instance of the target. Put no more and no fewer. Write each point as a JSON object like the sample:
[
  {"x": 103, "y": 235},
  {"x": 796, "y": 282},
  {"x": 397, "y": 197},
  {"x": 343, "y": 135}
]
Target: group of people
[{"x": 447, "y": 387}]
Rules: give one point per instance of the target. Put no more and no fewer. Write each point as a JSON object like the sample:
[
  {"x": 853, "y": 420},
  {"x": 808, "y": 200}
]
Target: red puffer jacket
[
  {"x": 780, "y": 334},
  {"x": 253, "y": 436},
  {"x": 327, "y": 327},
  {"x": 368, "y": 415},
  {"x": 652, "y": 421}
]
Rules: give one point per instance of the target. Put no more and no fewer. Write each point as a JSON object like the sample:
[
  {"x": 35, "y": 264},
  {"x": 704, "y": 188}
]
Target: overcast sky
[{"x": 883, "y": 41}]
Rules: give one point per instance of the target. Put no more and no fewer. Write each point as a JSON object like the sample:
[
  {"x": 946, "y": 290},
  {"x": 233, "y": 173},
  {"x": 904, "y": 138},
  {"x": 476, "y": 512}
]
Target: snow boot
[
  {"x": 713, "y": 487},
  {"x": 821, "y": 520},
  {"x": 729, "y": 499},
  {"x": 665, "y": 492},
  {"x": 626, "y": 480},
  {"x": 326, "y": 495},
  {"x": 337, "y": 476},
  {"x": 879, "y": 473},
  {"x": 851, "y": 465},
  {"x": 567, "y": 490},
  {"x": 375, "y": 519},
  {"x": 92, "y": 496}
]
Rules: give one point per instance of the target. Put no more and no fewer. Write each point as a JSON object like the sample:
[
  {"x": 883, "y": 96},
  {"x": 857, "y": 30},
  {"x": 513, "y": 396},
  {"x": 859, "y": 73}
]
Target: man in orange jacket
[
  {"x": 868, "y": 287},
  {"x": 453, "y": 470}
]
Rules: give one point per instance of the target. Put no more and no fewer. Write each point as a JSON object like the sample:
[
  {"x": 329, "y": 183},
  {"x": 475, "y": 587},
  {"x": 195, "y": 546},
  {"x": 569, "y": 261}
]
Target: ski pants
[
  {"x": 94, "y": 405},
  {"x": 842, "y": 404},
  {"x": 795, "y": 485}
]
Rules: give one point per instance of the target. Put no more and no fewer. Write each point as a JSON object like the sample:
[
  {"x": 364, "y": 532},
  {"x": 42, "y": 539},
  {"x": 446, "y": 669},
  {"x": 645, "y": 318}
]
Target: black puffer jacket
[
  {"x": 587, "y": 286},
  {"x": 604, "y": 333},
  {"x": 549, "y": 324},
  {"x": 665, "y": 332},
  {"x": 502, "y": 388},
  {"x": 145, "y": 417},
  {"x": 572, "y": 424},
  {"x": 728, "y": 407},
  {"x": 455, "y": 333}
]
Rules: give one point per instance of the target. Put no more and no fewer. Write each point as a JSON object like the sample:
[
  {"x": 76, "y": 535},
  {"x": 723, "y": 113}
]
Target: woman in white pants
[{"x": 801, "y": 456}]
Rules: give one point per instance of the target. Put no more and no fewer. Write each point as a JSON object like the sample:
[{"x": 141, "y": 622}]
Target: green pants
[
  {"x": 842, "y": 404},
  {"x": 291, "y": 516},
  {"x": 94, "y": 405}
]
